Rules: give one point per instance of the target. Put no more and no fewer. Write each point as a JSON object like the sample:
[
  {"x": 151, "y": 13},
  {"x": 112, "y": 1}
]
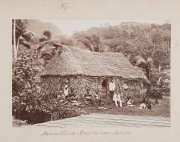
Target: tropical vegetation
[{"x": 146, "y": 46}]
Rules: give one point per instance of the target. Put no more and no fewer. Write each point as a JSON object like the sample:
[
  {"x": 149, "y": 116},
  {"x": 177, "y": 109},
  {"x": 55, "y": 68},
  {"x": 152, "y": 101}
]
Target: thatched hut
[{"x": 84, "y": 70}]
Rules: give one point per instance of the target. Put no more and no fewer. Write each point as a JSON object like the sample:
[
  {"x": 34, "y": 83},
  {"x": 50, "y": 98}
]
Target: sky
[{"x": 68, "y": 27}]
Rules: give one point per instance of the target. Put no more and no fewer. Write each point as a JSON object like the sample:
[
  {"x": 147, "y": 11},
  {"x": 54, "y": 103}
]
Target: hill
[{"x": 37, "y": 27}]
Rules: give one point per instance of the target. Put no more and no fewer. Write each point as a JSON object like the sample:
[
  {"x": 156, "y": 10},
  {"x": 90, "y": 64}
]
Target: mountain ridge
[{"x": 38, "y": 27}]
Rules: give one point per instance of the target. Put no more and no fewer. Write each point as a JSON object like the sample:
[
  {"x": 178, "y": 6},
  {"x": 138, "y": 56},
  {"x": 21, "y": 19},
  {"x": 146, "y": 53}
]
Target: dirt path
[{"x": 108, "y": 120}]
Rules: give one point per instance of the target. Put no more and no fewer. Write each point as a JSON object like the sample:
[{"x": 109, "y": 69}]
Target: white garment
[
  {"x": 97, "y": 96},
  {"x": 66, "y": 91},
  {"x": 129, "y": 103},
  {"x": 116, "y": 99},
  {"x": 112, "y": 86},
  {"x": 143, "y": 106}
]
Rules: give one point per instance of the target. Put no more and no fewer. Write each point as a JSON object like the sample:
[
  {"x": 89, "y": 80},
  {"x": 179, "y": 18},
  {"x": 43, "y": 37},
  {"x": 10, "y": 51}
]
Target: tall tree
[
  {"x": 20, "y": 35},
  {"x": 144, "y": 64},
  {"x": 14, "y": 38},
  {"x": 92, "y": 42}
]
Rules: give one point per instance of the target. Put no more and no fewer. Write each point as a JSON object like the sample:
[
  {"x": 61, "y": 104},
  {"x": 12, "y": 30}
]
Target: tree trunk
[
  {"x": 14, "y": 33},
  {"x": 17, "y": 46}
]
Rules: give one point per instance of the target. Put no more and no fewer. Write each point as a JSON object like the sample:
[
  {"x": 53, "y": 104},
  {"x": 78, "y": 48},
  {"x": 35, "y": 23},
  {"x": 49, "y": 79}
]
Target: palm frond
[
  {"x": 150, "y": 61},
  {"x": 57, "y": 45},
  {"x": 86, "y": 43},
  {"x": 48, "y": 54},
  {"x": 140, "y": 61},
  {"x": 26, "y": 44},
  {"x": 27, "y": 37}
]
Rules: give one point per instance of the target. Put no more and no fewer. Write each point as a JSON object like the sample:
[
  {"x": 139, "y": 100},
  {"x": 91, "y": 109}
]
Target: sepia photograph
[{"x": 91, "y": 73}]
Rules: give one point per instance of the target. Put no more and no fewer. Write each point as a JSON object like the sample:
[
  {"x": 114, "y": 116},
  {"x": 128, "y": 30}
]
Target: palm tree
[
  {"x": 20, "y": 35},
  {"x": 93, "y": 42},
  {"x": 47, "y": 49},
  {"x": 144, "y": 64},
  {"x": 45, "y": 36}
]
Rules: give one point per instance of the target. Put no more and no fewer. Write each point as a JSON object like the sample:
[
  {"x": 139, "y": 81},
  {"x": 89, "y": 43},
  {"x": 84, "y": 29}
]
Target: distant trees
[
  {"x": 161, "y": 59},
  {"x": 144, "y": 45},
  {"x": 129, "y": 38}
]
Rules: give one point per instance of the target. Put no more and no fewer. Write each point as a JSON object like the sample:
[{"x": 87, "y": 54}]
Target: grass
[{"x": 159, "y": 110}]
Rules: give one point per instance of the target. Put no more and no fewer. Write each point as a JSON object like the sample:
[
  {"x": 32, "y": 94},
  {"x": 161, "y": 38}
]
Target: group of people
[
  {"x": 69, "y": 95},
  {"x": 114, "y": 96}
]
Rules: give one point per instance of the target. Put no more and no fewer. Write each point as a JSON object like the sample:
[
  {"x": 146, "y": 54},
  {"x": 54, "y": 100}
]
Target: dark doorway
[
  {"x": 104, "y": 83},
  {"x": 104, "y": 89}
]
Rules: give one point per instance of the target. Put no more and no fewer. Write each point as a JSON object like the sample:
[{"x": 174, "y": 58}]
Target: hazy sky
[{"x": 68, "y": 27}]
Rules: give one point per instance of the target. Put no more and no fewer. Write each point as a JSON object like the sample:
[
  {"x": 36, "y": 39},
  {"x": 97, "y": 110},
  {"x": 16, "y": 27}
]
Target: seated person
[
  {"x": 143, "y": 106},
  {"x": 66, "y": 91},
  {"x": 71, "y": 92},
  {"x": 148, "y": 104},
  {"x": 117, "y": 99},
  {"x": 96, "y": 95},
  {"x": 129, "y": 102},
  {"x": 97, "y": 98},
  {"x": 87, "y": 95},
  {"x": 72, "y": 95}
]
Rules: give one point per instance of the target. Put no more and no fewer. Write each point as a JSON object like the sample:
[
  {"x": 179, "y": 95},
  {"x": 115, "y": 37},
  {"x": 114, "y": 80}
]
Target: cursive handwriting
[{"x": 84, "y": 132}]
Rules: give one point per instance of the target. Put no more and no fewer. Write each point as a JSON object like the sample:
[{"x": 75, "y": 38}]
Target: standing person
[{"x": 111, "y": 89}]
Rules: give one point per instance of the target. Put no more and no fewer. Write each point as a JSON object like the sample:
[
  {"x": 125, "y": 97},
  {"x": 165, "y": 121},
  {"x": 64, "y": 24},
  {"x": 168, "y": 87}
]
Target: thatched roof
[{"x": 75, "y": 61}]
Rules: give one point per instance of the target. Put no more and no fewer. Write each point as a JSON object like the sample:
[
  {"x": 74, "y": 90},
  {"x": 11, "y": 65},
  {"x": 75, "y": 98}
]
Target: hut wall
[
  {"x": 134, "y": 87},
  {"x": 55, "y": 85}
]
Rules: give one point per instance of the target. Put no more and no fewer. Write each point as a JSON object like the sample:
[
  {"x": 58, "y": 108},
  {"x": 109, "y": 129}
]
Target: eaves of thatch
[{"x": 75, "y": 61}]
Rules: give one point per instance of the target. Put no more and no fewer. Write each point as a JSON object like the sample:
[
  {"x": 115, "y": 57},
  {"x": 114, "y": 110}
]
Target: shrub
[{"x": 25, "y": 83}]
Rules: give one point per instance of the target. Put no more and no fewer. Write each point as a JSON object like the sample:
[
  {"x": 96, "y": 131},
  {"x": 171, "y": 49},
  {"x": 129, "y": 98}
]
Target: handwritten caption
[{"x": 84, "y": 132}]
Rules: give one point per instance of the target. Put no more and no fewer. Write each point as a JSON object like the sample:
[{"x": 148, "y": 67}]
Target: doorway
[{"x": 104, "y": 88}]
